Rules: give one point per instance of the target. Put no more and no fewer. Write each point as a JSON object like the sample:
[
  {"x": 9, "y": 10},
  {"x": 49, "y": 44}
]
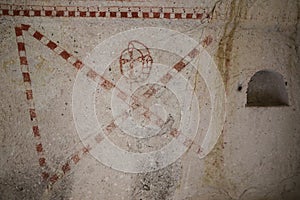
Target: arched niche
[{"x": 267, "y": 88}]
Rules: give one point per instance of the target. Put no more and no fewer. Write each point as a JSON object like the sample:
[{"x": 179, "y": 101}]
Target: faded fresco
[{"x": 150, "y": 100}]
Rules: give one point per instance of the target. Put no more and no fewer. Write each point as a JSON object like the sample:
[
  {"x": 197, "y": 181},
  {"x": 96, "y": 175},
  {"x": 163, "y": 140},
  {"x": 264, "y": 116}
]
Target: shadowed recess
[{"x": 267, "y": 88}]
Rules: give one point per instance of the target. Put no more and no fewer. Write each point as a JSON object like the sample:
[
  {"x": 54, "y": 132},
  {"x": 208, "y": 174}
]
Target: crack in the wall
[
  {"x": 224, "y": 52},
  {"x": 214, "y": 174},
  {"x": 297, "y": 36}
]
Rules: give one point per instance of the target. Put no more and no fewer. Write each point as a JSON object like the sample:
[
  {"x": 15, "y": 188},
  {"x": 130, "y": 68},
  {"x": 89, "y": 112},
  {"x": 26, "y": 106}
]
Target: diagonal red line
[
  {"x": 65, "y": 55},
  {"x": 78, "y": 65},
  {"x": 29, "y": 97}
]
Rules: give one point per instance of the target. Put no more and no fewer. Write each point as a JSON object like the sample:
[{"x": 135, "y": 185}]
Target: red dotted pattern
[
  {"x": 151, "y": 12},
  {"x": 42, "y": 161},
  {"x": 46, "y": 174}
]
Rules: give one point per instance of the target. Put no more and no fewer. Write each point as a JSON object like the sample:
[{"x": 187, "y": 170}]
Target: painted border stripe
[{"x": 106, "y": 11}]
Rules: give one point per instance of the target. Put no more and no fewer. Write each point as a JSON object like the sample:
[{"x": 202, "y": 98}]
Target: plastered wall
[{"x": 148, "y": 100}]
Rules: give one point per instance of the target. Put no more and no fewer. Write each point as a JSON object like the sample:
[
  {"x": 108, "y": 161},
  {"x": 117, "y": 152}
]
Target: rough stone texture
[{"x": 256, "y": 156}]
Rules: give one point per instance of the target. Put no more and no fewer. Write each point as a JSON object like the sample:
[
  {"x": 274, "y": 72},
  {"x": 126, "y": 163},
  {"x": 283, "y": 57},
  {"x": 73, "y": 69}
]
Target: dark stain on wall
[
  {"x": 26, "y": 184},
  {"x": 224, "y": 52},
  {"x": 159, "y": 184}
]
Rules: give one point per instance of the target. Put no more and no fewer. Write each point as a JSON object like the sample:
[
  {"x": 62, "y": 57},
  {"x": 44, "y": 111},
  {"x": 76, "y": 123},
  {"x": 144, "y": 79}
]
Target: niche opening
[{"x": 267, "y": 88}]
